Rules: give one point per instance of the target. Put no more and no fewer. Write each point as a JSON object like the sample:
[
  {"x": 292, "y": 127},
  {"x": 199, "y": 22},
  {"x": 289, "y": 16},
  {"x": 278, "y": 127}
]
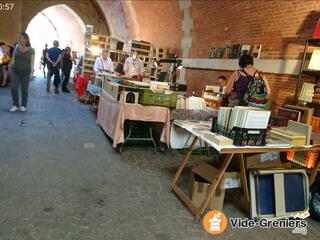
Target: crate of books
[
  {"x": 158, "y": 99},
  {"x": 248, "y": 137},
  {"x": 246, "y": 126}
]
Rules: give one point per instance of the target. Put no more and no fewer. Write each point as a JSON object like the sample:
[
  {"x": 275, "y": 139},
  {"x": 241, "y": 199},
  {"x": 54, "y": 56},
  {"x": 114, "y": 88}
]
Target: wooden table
[{"x": 229, "y": 152}]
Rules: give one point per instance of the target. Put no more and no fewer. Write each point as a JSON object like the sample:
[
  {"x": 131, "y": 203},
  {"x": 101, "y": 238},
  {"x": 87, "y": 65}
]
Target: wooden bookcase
[
  {"x": 117, "y": 55},
  {"x": 144, "y": 50},
  {"x": 309, "y": 46},
  {"x": 94, "y": 44},
  {"x": 304, "y": 71}
]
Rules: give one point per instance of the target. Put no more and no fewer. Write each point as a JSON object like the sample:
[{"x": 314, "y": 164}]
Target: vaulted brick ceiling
[{"x": 159, "y": 22}]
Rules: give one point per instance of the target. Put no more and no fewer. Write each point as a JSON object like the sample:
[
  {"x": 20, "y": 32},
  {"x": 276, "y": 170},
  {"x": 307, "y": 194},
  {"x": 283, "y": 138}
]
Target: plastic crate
[
  {"x": 158, "y": 99},
  {"x": 248, "y": 137},
  {"x": 242, "y": 136}
]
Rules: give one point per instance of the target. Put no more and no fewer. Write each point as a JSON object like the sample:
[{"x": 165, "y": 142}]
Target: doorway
[{"x": 60, "y": 23}]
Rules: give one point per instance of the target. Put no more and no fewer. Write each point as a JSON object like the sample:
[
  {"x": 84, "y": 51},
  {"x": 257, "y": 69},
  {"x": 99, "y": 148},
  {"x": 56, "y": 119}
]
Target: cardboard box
[
  {"x": 266, "y": 160},
  {"x": 209, "y": 173},
  {"x": 113, "y": 89},
  {"x": 198, "y": 190}
]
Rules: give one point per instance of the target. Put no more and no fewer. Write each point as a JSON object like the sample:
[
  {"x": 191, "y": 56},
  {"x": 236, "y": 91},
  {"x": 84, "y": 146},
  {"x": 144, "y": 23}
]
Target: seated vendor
[
  {"x": 222, "y": 82},
  {"x": 103, "y": 64},
  {"x": 133, "y": 67},
  {"x": 118, "y": 71}
]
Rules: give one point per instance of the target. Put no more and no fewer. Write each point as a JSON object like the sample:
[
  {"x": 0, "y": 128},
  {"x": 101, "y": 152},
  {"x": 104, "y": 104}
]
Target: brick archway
[{"x": 86, "y": 11}]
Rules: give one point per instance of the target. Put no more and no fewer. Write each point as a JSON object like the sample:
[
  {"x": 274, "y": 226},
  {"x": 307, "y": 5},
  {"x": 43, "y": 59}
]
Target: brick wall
[{"x": 280, "y": 26}]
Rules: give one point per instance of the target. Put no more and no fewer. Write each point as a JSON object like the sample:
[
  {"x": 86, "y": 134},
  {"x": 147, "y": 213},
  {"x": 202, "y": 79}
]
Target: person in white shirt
[
  {"x": 103, "y": 64},
  {"x": 133, "y": 67}
]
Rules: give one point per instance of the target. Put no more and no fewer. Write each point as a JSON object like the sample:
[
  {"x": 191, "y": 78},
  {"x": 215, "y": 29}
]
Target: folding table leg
[
  {"x": 183, "y": 162},
  {"x": 151, "y": 137},
  {"x": 126, "y": 139},
  {"x": 214, "y": 186},
  {"x": 243, "y": 175}
]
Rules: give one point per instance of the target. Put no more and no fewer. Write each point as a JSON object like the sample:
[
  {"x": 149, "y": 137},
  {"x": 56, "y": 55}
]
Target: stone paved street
[{"x": 60, "y": 179}]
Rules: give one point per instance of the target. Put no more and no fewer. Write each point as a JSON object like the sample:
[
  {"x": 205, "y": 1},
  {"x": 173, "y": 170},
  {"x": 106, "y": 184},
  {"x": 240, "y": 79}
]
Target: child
[{"x": 222, "y": 81}]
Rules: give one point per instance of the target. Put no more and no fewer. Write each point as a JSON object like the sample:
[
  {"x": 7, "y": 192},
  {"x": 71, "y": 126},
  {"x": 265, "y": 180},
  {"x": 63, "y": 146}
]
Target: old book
[
  {"x": 219, "y": 53},
  {"x": 218, "y": 139},
  {"x": 307, "y": 112},
  {"x": 212, "y": 52},
  {"x": 301, "y": 128},
  {"x": 290, "y": 114},
  {"x": 245, "y": 50},
  {"x": 235, "y": 51},
  {"x": 294, "y": 138},
  {"x": 307, "y": 92},
  {"x": 226, "y": 53},
  {"x": 256, "y": 51}
]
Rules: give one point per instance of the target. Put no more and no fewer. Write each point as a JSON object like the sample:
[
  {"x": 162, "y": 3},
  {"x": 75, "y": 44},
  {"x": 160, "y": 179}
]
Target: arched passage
[{"x": 60, "y": 23}]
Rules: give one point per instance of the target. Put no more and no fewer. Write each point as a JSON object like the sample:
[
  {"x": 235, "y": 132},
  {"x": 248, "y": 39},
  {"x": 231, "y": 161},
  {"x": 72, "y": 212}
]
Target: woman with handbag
[{"x": 247, "y": 86}]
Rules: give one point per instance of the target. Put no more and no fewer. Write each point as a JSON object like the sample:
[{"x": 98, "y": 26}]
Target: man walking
[{"x": 54, "y": 57}]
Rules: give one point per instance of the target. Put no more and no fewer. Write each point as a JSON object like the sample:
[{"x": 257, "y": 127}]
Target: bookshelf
[
  {"x": 304, "y": 68},
  {"x": 94, "y": 43},
  {"x": 117, "y": 55},
  {"x": 144, "y": 49},
  {"x": 276, "y": 66}
]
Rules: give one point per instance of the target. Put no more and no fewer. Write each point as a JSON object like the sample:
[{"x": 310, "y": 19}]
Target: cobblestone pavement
[{"x": 60, "y": 179}]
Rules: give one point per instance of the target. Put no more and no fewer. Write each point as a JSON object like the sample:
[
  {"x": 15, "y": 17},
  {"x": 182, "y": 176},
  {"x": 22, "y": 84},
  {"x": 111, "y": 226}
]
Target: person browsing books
[{"x": 237, "y": 85}]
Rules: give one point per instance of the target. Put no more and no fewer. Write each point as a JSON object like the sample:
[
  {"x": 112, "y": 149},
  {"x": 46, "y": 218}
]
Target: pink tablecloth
[{"x": 112, "y": 115}]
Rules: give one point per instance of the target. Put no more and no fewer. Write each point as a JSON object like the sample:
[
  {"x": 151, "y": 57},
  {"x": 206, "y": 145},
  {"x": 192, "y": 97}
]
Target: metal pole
[{"x": 300, "y": 72}]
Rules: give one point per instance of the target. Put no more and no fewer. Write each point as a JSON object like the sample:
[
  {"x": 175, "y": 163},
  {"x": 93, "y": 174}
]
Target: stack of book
[
  {"x": 235, "y": 51},
  {"x": 297, "y": 134},
  {"x": 305, "y": 159},
  {"x": 243, "y": 117},
  {"x": 305, "y": 115}
]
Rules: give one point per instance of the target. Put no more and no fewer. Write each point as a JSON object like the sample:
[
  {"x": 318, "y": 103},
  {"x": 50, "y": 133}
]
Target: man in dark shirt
[
  {"x": 44, "y": 60},
  {"x": 67, "y": 62},
  {"x": 54, "y": 57}
]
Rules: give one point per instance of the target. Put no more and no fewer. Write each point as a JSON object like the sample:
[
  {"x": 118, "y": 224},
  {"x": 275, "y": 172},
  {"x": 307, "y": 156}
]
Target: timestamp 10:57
[{"x": 6, "y": 6}]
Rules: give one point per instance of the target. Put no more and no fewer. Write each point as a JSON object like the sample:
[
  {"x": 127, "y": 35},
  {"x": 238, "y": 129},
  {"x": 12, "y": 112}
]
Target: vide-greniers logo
[{"x": 215, "y": 222}]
